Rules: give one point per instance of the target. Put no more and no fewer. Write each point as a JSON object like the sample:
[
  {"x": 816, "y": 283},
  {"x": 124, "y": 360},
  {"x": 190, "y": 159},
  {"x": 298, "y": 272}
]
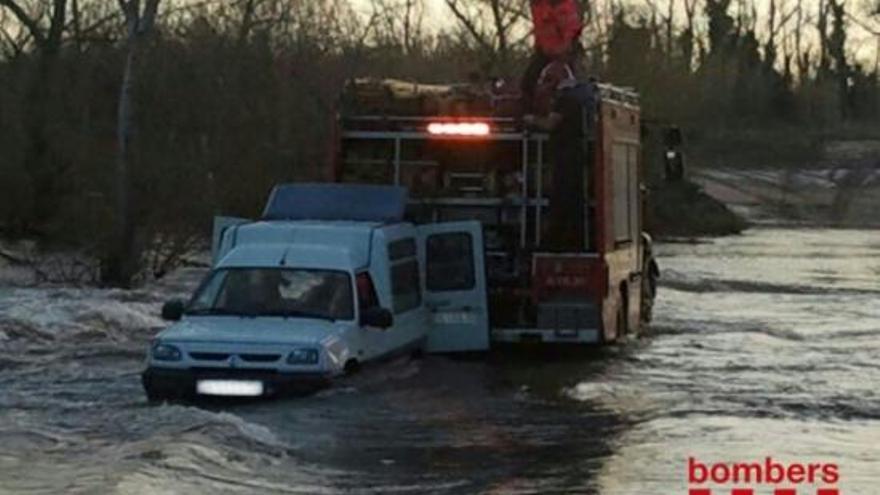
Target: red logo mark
[
  {"x": 765, "y": 474},
  {"x": 750, "y": 491}
]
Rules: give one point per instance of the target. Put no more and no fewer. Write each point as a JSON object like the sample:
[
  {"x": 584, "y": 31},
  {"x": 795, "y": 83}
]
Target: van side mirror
[
  {"x": 377, "y": 317},
  {"x": 173, "y": 310}
]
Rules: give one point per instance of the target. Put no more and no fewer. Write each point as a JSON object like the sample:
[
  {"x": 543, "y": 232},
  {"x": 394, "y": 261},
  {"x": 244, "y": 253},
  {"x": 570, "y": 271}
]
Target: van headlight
[
  {"x": 165, "y": 352},
  {"x": 303, "y": 356}
]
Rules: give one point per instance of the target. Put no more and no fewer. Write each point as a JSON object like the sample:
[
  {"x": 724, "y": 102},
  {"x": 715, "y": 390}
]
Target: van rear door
[{"x": 454, "y": 275}]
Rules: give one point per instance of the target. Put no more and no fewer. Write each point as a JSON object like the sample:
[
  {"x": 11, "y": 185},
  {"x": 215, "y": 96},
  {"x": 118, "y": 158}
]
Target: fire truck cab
[{"x": 490, "y": 168}]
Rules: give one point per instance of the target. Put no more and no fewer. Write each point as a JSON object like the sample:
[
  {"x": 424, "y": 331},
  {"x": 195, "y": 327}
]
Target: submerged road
[{"x": 766, "y": 344}]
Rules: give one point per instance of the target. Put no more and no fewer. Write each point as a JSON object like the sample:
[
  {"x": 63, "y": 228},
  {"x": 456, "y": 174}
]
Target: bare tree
[
  {"x": 669, "y": 22},
  {"x": 29, "y": 15},
  {"x": 689, "y": 34},
  {"x": 47, "y": 41},
  {"x": 491, "y": 24},
  {"x": 400, "y": 22},
  {"x": 12, "y": 41},
  {"x": 778, "y": 17},
  {"x": 822, "y": 27},
  {"x": 122, "y": 263},
  {"x": 870, "y": 22},
  {"x": 802, "y": 52}
]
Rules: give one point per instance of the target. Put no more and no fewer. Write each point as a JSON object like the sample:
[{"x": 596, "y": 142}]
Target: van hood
[{"x": 246, "y": 330}]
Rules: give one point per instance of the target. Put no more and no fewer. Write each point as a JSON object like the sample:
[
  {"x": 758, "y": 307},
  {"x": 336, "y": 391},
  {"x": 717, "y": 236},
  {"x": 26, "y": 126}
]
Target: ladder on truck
[{"x": 397, "y": 131}]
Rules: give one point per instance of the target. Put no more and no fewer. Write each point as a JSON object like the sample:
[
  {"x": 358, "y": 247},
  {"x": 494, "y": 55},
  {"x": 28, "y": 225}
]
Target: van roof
[
  {"x": 292, "y": 240},
  {"x": 297, "y": 256},
  {"x": 332, "y": 201}
]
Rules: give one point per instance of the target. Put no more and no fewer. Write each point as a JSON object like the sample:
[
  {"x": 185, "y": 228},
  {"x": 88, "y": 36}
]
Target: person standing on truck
[
  {"x": 557, "y": 26},
  {"x": 569, "y": 123}
]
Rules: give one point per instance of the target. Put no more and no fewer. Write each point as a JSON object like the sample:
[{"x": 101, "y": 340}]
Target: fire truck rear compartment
[
  {"x": 504, "y": 182},
  {"x": 504, "y": 179}
]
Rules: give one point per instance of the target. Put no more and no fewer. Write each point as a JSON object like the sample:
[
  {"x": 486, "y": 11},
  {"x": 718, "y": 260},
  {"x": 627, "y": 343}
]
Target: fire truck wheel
[
  {"x": 621, "y": 325},
  {"x": 616, "y": 333}
]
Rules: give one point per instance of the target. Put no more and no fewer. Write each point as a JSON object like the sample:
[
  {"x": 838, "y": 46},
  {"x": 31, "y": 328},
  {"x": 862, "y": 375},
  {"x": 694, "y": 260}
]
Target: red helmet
[{"x": 557, "y": 24}]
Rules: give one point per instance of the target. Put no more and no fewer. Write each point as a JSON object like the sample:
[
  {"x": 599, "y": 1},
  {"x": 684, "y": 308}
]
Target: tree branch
[
  {"x": 501, "y": 32},
  {"x": 148, "y": 19},
  {"x": 469, "y": 25},
  {"x": 25, "y": 20},
  {"x": 56, "y": 26}
]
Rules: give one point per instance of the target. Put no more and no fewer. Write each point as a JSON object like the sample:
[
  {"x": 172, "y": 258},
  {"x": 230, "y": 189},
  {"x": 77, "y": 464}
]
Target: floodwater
[{"x": 767, "y": 344}]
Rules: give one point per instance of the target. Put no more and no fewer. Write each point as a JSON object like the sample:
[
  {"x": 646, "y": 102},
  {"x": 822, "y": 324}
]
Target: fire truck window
[
  {"x": 406, "y": 286},
  {"x": 621, "y": 190},
  {"x": 450, "y": 262}
]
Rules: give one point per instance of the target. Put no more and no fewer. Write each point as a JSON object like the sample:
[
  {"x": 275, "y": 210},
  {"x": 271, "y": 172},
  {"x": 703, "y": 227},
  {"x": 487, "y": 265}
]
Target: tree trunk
[
  {"x": 123, "y": 261},
  {"x": 120, "y": 267}
]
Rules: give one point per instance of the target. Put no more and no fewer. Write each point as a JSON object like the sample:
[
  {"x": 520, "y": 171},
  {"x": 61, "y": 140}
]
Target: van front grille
[
  {"x": 223, "y": 356},
  {"x": 260, "y": 358},
  {"x": 209, "y": 356}
]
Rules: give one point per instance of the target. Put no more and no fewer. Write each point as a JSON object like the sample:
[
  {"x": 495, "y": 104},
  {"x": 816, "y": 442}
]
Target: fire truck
[{"x": 474, "y": 160}]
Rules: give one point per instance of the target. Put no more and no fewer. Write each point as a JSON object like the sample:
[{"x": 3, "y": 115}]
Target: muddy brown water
[{"x": 766, "y": 344}]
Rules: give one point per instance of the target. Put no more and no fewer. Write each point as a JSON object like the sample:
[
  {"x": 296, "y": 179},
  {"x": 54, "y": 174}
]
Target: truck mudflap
[{"x": 545, "y": 336}]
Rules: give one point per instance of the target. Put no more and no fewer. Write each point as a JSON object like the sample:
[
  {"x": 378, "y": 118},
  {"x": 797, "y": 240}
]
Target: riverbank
[
  {"x": 845, "y": 196},
  {"x": 683, "y": 209}
]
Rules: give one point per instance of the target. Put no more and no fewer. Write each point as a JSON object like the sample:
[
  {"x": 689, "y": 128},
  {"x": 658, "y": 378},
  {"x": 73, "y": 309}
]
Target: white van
[{"x": 330, "y": 279}]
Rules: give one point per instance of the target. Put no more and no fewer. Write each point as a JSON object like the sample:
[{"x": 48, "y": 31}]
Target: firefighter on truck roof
[
  {"x": 555, "y": 102},
  {"x": 568, "y": 121},
  {"x": 557, "y": 26}
]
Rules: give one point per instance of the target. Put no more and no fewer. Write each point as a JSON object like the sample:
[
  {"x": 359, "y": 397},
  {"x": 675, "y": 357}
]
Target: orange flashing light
[{"x": 469, "y": 129}]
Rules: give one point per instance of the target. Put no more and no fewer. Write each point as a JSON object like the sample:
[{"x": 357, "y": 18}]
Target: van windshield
[{"x": 287, "y": 292}]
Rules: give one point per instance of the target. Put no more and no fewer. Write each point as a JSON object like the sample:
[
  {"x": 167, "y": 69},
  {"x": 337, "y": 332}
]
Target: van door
[
  {"x": 454, "y": 274},
  {"x": 221, "y": 225}
]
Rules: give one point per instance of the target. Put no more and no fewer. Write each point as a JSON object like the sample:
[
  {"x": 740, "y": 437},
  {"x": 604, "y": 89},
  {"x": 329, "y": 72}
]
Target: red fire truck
[{"x": 470, "y": 162}]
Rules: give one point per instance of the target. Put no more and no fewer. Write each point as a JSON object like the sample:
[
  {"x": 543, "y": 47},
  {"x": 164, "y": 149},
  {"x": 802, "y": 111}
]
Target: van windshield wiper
[
  {"x": 298, "y": 314},
  {"x": 217, "y": 311},
  {"x": 255, "y": 314}
]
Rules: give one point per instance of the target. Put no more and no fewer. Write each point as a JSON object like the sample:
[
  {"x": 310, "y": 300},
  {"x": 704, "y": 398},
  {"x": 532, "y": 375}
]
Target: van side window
[
  {"x": 405, "y": 281},
  {"x": 405, "y": 285},
  {"x": 450, "y": 262},
  {"x": 366, "y": 292},
  {"x": 404, "y": 248}
]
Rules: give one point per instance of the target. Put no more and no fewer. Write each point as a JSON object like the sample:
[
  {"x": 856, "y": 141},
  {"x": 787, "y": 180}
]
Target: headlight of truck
[
  {"x": 165, "y": 352},
  {"x": 303, "y": 356}
]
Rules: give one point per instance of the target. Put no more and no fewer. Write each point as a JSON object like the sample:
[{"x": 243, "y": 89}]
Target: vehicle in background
[
  {"x": 464, "y": 156},
  {"x": 330, "y": 278}
]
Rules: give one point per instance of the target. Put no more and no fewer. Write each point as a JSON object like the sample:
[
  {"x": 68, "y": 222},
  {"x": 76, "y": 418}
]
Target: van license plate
[
  {"x": 230, "y": 388},
  {"x": 454, "y": 318}
]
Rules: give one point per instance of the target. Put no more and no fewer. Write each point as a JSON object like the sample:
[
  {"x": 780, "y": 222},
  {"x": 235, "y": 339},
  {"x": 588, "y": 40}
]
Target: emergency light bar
[{"x": 470, "y": 129}]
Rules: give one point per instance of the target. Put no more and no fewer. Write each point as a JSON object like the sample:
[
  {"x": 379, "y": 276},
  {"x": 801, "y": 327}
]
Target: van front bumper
[{"x": 174, "y": 383}]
